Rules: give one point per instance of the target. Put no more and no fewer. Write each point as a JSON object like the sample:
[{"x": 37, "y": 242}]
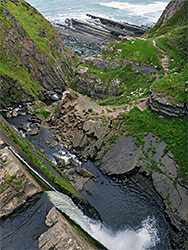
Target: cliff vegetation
[{"x": 34, "y": 59}]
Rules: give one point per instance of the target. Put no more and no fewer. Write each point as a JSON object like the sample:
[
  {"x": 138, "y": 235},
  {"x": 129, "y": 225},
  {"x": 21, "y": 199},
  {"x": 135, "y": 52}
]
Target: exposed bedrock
[
  {"x": 30, "y": 69},
  {"x": 100, "y": 32},
  {"x": 160, "y": 182},
  {"x": 93, "y": 86},
  {"x": 163, "y": 106}
]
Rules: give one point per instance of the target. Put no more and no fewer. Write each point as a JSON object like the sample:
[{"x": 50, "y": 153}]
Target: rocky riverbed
[
  {"x": 87, "y": 129},
  {"x": 25, "y": 209}
]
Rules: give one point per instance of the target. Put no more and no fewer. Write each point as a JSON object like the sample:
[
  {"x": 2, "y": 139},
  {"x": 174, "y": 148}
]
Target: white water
[
  {"x": 143, "y": 238},
  {"x": 151, "y": 11},
  {"x": 66, "y": 155},
  {"x": 133, "y": 11}
]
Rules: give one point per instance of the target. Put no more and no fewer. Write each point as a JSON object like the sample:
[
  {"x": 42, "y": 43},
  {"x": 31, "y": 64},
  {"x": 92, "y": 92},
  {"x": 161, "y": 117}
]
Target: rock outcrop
[
  {"x": 164, "y": 107},
  {"x": 92, "y": 85},
  {"x": 61, "y": 235},
  {"x": 31, "y": 63},
  {"x": 97, "y": 32},
  {"x": 154, "y": 171},
  {"x": 75, "y": 116},
  {"x": 17, "y": 185},
  {"x": 169, "y": 11}
]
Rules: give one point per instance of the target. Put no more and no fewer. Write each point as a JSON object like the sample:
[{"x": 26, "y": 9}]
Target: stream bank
[
  {"x": 87, "y": 129},
  {"x": 106, "y": 195}
]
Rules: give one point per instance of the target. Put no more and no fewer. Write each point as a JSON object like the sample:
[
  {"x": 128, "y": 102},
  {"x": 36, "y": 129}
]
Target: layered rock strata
[
  {"x": 91, "y": 85},
  {"x": 99, "y": 31},
  {"x": 31, "y": 64},
  {"x": 164, "y": 107}
]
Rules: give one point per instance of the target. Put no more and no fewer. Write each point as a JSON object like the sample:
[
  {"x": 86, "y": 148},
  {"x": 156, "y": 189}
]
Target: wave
[
  {"x": 151, "y": 11},
  {"x": 143, "y": 238}
]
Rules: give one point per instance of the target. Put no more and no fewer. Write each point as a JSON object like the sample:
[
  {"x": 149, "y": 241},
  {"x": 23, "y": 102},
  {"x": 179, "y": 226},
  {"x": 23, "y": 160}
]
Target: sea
[{"x": 139, "y": 12}]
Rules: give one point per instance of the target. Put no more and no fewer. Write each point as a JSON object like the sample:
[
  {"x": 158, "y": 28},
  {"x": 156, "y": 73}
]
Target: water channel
[{"x": 131, "y": 220}]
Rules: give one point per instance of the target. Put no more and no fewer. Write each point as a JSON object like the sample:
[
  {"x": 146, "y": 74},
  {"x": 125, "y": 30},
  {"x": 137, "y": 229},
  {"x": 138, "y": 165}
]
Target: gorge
[{"x": 121, "y": 163}]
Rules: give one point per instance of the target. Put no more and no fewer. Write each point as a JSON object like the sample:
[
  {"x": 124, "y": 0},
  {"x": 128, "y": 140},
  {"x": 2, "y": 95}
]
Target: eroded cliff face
[
  {"x": 169, "y": 11},
  {"x": 33, "y": 57}
]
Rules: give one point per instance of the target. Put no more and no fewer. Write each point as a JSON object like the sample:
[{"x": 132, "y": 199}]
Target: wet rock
[
  {"x": 164, "y": 107},
  {"x": 54, "y": 144},
  {"x": 42, "y": 150},
  {"x": 84, "y": 172},
  {"x": 24, "y": 127},
  {"x": 32, "y": 132},
  {"x": 61, "y": 235},
  {"x": 117, "y": 160},
  {"x": 14, "y": 113}
]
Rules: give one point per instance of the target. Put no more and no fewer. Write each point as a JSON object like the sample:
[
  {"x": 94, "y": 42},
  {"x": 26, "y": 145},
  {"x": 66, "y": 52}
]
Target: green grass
[
  {"x": 43, "y": 112},
  {"x": 134, "y": 84},
  {"x": 36, "y": 44},
  {"x": 175, "y": 43},
  {"x": 173, "y": 132},
  {"x": 36, "y": 27},
  {"x": 180, "y": 18},
  {"x": 64, "y": 184},
  {"x": 175, "y": 86},
  {"x": 136, "y": 50}
]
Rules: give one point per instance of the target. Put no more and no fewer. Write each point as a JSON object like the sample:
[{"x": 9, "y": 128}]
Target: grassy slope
[
  {"x": 173, "y": 132},
  {"x": 173, "y": 38},
  {"x": 175, "y": 42},
  {"x": 134, "y": 83},
  {"x": 32, "y": 25}
]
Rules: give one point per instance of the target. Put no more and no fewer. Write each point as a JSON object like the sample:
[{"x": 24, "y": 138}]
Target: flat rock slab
[
  {"x": 17, "y": 185},
  {"x": 121, "y": 158},
  {"x": 61, "y": 235}
]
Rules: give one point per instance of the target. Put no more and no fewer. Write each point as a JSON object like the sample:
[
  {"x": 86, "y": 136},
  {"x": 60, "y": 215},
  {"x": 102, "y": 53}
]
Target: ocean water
[{"x": 140, "y": 12}]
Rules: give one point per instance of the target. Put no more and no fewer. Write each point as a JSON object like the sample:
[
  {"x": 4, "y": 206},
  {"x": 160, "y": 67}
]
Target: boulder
[
  {"x": 17, "y": 185},
  {"x": 24, "y": 127},
  {"x": 33, "y": 131},
  {"x": 61, "y": 235},
  {"x": 79, "y": 140},
  {"x": 14, "y": 113},
  {"x": 118, "y": 160}
]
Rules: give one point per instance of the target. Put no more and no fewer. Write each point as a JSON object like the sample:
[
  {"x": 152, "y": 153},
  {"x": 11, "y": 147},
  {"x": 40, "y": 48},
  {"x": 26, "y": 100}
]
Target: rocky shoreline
[{"x": 97, "y": 31}]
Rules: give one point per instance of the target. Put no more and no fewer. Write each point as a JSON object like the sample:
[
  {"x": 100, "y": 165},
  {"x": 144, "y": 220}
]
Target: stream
[{"x": 131, "y": 220}]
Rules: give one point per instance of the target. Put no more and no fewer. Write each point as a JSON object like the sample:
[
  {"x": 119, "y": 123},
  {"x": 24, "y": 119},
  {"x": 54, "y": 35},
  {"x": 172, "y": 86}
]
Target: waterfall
[{"x": 128, "y": 239}]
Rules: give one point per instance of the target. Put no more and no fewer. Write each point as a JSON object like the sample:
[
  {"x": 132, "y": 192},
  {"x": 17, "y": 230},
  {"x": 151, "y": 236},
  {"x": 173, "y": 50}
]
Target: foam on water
[
  {"x": 134, "y": 11},
  {"x": 66, "y": 155},
  {"x": 143, "y": 238},
  {"x": 151, "y": 11}
]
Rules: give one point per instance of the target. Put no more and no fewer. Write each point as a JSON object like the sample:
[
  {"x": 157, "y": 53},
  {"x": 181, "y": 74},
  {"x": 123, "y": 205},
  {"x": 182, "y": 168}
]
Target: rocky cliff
[
  {"x": 169, "y": 11},
  {"x": 34, "y": 59}
]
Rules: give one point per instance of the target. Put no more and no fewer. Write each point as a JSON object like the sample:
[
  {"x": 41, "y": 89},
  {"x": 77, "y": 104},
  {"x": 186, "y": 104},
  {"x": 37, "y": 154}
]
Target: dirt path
[
  {"x": 165, "y": 58},
  {"x": 84, "y": 103}
]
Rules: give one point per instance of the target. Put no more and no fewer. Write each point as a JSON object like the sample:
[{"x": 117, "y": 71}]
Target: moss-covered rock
[{"x": 33, "y": 57}]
